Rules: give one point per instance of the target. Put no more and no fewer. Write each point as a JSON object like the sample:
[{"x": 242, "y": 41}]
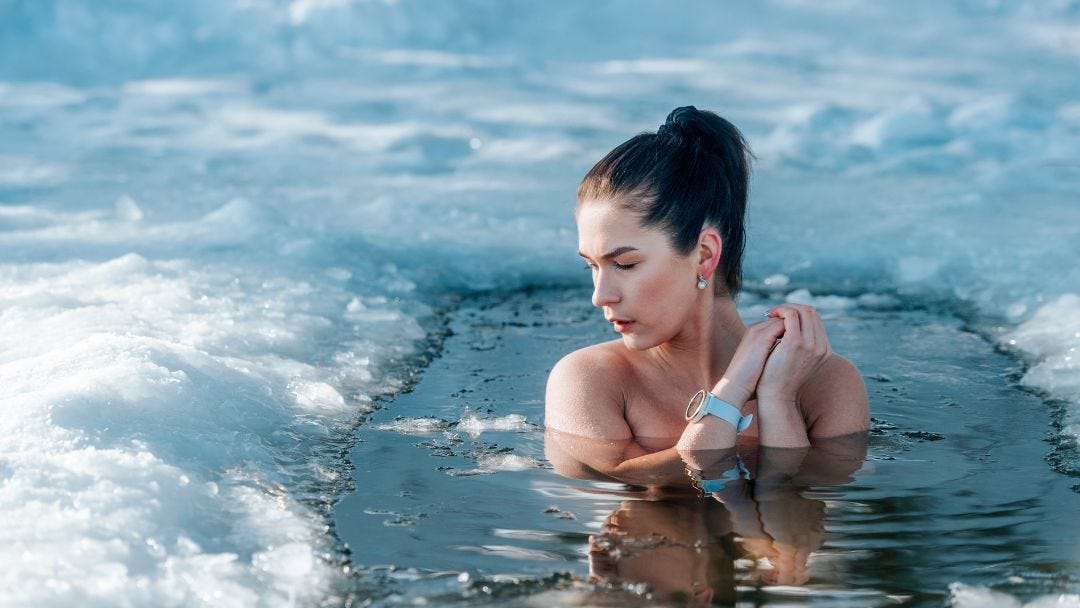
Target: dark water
[{"x": 955, "y": 487}]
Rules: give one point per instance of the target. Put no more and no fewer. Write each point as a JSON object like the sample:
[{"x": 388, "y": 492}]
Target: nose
[{"x": 605, "y": 292}]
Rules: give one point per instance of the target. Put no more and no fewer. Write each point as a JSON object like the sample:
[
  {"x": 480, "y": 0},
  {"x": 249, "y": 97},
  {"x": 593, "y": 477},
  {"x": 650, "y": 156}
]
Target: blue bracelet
[{"x": 708, "y": 486}]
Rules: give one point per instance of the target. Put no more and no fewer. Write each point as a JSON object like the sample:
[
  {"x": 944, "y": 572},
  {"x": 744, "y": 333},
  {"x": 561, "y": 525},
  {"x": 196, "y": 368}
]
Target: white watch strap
[{"x": 724, "y": 411}]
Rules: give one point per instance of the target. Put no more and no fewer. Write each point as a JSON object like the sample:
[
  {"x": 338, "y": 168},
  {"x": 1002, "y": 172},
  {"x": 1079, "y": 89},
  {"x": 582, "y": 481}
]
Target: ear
[{"x": 710, "y": 246}]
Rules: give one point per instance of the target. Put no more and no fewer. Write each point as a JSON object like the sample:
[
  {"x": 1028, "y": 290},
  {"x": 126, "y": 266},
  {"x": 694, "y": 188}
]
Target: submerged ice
[{"x": 226, "y": 228}]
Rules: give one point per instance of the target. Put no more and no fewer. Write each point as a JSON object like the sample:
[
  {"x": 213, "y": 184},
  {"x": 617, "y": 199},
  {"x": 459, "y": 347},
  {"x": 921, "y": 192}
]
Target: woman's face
[{"x": 645, "y": 288}]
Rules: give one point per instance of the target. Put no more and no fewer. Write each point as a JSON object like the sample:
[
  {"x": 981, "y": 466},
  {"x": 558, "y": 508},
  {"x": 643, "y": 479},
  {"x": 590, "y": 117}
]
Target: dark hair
[{"x": 693, "y": 172}]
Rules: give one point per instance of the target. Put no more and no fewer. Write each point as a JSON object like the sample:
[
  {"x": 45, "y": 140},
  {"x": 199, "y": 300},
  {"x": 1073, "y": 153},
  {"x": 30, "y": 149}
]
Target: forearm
[
  {"x": 780, "y": 424},
  {"x": 626, "y": 461},
  {"x": 700, "y": 446},
  {"x": 658, "y": 468},
  {"x": 712, "y": 433}
]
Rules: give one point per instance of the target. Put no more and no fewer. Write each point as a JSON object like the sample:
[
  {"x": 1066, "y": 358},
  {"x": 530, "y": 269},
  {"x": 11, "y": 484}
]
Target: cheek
[
  {"x": 651, "y": 288},
  {"x": 664, "y": 292}
]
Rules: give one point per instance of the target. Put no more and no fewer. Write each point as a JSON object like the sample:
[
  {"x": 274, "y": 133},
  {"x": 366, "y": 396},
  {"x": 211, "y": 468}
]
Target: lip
[{"x": 621, "y": 325}]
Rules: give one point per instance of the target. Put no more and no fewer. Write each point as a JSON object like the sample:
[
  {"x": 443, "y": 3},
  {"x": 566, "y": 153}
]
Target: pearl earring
[{"x": 701, "y": 282}]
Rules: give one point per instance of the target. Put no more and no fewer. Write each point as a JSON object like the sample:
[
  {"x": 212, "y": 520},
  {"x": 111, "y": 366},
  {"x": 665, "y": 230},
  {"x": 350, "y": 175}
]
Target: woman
[{"x": 661, "y": 226}]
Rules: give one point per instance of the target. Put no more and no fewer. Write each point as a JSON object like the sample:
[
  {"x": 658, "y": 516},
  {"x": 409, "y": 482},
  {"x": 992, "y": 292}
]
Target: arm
[
  {"x": 835, "y": 401},
  {"x": 587, "y": 433},
  {"x": 605, "y": 460},
  {"x": 806, "y": 392},
  {"x": 584, "y": 400}
]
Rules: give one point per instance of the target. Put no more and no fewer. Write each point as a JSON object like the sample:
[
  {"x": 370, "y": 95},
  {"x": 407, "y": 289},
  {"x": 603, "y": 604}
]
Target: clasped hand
[{"x": 777, "y": 356}]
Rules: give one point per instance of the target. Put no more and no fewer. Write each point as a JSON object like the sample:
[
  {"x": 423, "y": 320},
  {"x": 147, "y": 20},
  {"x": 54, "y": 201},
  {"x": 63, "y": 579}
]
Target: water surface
[{"x": 454, "y": 502}]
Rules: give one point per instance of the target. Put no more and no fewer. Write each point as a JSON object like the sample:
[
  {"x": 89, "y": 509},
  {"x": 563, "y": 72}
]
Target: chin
[{"x": 634, "y": 342}]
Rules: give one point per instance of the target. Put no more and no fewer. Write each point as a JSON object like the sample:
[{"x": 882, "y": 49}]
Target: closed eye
[{"x": 618, "y": 266}]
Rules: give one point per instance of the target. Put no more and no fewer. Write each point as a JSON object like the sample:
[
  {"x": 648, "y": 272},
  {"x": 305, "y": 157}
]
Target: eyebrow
[{"x": 614, "y": 253}]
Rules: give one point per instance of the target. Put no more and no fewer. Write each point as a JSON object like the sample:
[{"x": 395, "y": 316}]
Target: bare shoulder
[
  {"x": 834, "y": 400},
  {"x": 585, "y": 395}
]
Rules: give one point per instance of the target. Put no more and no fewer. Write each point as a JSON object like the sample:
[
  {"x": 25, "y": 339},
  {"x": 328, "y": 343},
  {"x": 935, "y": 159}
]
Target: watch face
[{"x": 696, "y": 402}]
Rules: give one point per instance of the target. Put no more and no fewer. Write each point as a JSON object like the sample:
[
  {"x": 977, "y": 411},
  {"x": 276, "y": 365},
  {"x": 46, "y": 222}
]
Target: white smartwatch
[{"x": 705, "y": 403}]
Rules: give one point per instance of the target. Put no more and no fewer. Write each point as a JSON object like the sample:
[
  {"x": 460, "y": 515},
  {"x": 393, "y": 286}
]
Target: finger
[
  {"x": 776, "y": 327},
  {"x": 814, "y": 331},
  {"x": 769, "y": 322},
  {"x": 768, "y": 329},
  {"x": 808, "y": 322},
  {"x": 822, "y": 336},
  {"x": 790, "y": 314},
  {"x": 772, "y": 330}
]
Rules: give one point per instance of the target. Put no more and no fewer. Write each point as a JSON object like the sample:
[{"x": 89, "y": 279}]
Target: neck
[{"x": 707, "y": 342}]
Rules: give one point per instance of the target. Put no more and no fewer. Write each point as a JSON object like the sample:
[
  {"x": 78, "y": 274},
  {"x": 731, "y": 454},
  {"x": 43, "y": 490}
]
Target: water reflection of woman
[
  {"x": 661, "y": 226},
  {"x": 676, "y": 544},
  {"x": 680, "y": 535}
]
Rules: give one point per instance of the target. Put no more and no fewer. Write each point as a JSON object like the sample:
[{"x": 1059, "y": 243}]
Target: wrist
[
  {"x": 703, "y": 437},
  {"x": 727, "y": 390},
  {"x": 776, "y": 398},
  {"x": 705, "y": 403}
]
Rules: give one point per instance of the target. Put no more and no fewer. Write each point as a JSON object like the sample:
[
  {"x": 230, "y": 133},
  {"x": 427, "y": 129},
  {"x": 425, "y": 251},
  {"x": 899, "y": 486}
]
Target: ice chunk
[
  {"x": 475, "y": 425},
  {"x": 970, "y": 596},
  {"x": 317, "y": 396},
  {"x": 506, "y": 462},
  {"x": 803, "y": 296},
  {"x": 415, "y": 426}
]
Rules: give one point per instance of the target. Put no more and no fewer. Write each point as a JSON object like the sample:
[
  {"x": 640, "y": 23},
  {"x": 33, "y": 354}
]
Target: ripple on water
[{"x": 948, "y": 494}]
